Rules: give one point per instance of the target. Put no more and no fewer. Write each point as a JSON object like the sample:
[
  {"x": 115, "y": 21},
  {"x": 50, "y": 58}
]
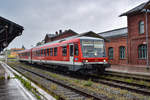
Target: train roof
[
  {"x": 26, "y": 50},
  {"x": 87, "y": 35}
]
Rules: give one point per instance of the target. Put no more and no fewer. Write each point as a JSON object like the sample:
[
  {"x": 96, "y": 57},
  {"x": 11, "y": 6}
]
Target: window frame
[
  {"x": 41, "y": 52},
  {"x": 47, "y": 51},
  {"x": 55, "y": 51},
  {"x": 141, "y": 27},
  {"x": 64, "y": 50},
  {"x": 76, "y": 48},
  {"x": 111, "y": 53},
  {"x": 122, "y": 52},
  {"x": 142, "y": 51},
  {"x": 51, "y": 51}
]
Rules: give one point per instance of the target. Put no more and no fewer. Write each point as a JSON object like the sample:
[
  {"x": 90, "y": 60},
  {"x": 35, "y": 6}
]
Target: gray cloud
[{"x": 47, "y": 16}]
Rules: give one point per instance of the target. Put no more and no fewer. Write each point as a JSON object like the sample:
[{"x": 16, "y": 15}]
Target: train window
[
  {"x": 37, "y": 53},
  {"x": 44, "y": 52},
  {"x": 55, "y": 51},
  {"x": 76, "y": 50},
  {"x": 64, "y": 51},
  {"x": 71, "y": 50},
  {"x": 41, "y": 52},
  {"x": 47, "y": 52},
  {"x": 51, "y": 51}
]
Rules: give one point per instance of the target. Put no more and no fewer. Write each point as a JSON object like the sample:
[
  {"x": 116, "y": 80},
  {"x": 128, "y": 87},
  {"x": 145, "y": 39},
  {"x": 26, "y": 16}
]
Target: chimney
[
  {"x": 60, "y": 31},
  {"x": 56, "y": 33}
]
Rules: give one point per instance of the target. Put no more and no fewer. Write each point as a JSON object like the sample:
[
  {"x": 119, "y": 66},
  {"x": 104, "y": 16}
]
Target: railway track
[
  {"x": 141, "y": 89},
  {"x": 125, "y": 85},
  {"x": 69, "y": 92},
  {"x": 128, "y": 76},
  {"x": 139, "y": 84}
]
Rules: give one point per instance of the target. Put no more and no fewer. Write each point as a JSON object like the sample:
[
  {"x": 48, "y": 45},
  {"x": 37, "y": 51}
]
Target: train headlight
[
  {"x": 85, "y": 61},
  {"x": 104, "y": 60}
]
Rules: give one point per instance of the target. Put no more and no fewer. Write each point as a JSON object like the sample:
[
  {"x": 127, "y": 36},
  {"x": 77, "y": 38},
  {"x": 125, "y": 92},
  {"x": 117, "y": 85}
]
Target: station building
[
  {"x": 59, "y": 35},
  {"x": 14, "y": 52},
  {"x": 131, "y": 45},
  {"x": 116, "y": 48}
]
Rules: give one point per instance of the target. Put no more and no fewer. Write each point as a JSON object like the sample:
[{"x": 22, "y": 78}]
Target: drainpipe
[
  {"x": 147, "y": 62},
  {"x": 127, "y": 49}
]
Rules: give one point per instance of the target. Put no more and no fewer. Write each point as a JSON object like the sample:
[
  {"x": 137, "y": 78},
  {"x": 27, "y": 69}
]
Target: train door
[{"x": 71, "y": 53}]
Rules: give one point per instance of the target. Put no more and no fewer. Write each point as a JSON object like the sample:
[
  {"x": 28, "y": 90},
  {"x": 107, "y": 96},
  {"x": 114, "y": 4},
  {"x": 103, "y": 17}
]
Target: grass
[
  {"x": 88, "y": 83},
  {"x": 29, "y": 86},
  {"x": 2, "y": 78},
  {"x": 53, "y": 87}
]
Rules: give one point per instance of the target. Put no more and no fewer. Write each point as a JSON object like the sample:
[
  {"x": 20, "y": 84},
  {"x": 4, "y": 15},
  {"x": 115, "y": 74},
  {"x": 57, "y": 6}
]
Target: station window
[
  {"x": 51, "y": 51},
  {"x": 141, "y": 27},
  {"x": 76, "y": 50},
  {"x": 55, "y": 51},
  {"x": 122, "y": 52},
  {"x": 142, "y": 51},
  {"x": 64, "y": 51},
  {"x": 110, "y": 52}
]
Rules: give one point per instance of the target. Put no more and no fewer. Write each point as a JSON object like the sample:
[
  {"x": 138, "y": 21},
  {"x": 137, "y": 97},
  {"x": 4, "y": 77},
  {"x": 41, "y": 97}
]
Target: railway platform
[
  {"x": 133, "y": 69},
  {"x": 12, "y": 89}
]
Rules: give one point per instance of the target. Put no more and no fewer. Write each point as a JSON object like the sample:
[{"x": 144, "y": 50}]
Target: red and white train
[{"x": 77, "y": 53}]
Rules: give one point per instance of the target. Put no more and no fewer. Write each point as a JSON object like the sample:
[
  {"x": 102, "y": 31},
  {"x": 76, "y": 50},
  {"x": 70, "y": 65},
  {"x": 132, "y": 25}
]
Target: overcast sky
[{"x": 39, "y": 17}]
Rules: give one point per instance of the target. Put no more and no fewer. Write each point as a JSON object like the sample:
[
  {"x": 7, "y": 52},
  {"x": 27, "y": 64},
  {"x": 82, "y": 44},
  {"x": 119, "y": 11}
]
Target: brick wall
[
  {"x": 135, "y": 39},
  {"x": 116, "y": 43}
]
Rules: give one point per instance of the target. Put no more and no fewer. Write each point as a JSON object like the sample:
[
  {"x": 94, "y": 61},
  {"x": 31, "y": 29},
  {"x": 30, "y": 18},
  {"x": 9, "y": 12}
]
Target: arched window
[
  {"x": 141, "y": 27},
  {"x": 122, "y": 52},
  {"x": 110, "y": 53},
  {"x": 142, "y": 51}
]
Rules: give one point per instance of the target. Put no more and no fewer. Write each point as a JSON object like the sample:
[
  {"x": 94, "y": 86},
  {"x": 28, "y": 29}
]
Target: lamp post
[
  {"x": 147, "y": 60},
  {"x": 5, "y": 44}
]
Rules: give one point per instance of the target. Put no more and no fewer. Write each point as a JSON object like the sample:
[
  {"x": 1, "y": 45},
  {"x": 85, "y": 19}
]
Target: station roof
[
  {"x": 115, "y": 33},
  {"x": 8, "y": 31},
  {"x": 139, "y": 9}
]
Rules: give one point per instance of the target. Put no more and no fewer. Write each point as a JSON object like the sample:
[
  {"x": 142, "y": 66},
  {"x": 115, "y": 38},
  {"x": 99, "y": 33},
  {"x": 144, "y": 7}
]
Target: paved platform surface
[
  {"x": 2, "y": 72},
  {"x": 11, "y": 89},
  {"x": 135, "y": 69}
]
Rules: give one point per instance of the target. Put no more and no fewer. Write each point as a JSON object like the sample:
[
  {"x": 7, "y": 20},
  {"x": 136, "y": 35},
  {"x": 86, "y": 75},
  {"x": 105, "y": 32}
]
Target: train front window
[{"x": 92, "y": 48}]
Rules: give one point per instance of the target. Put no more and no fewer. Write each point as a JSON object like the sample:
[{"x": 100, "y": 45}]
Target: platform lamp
[{"x": 5, "y": 43}]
